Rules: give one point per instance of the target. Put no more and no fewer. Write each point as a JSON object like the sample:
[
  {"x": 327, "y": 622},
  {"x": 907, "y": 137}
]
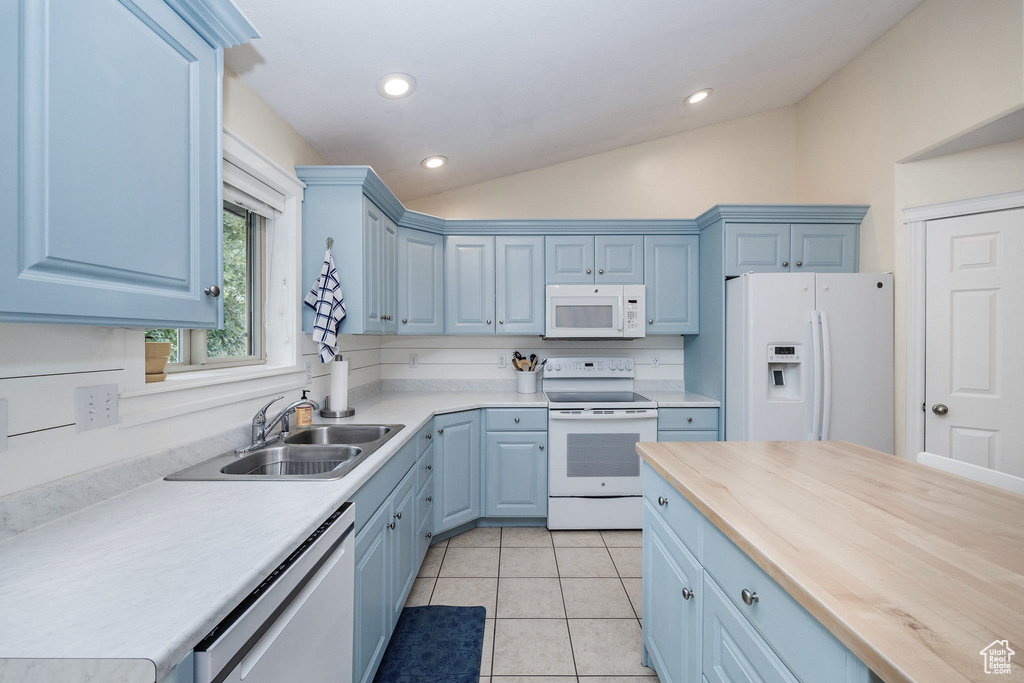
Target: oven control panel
[{"x": 588, "y": 367}]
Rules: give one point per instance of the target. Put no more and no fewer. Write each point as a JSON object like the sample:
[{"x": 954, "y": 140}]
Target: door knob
[
  {"x": 405, "y": 321},
  {"x": 651, "y": 321},
  {"x": 430, "y": 499},
  {"x": 429, "y": 435},
  {"x": 687, "y": 594},
  {"x": 748, "y": 597},
  {"x": 398, "y": 515},
  {"x": 542, "y": 446},
  {"x": 501, "y": 322},
  {"x": 212, "y": 290},
  {"x": 429, "y": 534},
  {"x": 600, "y": 271},
  {"x": 799, "y": 263},
  {"x": 390, "y": 526},
  {"x": 940, "y": 409},
  {"x": 488, "y": 322},
  {"x": 785, "y": 264},
  {"x": 440, "y": 431},
  {"x": 517, "y": 420},
  {"x": 588, "y": 271},
  {"x": 430, "y": 467},
  {"x": 662, "y": 501}
]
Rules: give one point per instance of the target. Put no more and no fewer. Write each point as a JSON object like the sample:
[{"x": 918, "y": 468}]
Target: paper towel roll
[{"x": 339, "y": 385}]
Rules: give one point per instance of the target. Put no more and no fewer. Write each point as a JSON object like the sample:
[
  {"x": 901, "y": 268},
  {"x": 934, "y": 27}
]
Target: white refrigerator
[{"x": 809, "y": 357}]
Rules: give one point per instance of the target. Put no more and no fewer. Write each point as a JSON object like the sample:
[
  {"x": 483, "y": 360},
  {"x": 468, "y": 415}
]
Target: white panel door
[{"x": 974, "y": 382}]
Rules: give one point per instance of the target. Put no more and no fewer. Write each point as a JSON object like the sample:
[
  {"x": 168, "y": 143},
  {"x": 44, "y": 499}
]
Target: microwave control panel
[{"x": 633, "y": 311}]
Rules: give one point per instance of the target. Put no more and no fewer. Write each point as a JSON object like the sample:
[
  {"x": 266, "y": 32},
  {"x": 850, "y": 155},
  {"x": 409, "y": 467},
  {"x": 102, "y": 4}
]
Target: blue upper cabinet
[
  {"x": 786, "y": 248},
  {"x": 519, "y": 285},
  {"x": 569, "y": 260},
  {"x": 672, "y": 275},
  {"x": 619, "y": 260},
  {"x": 420, "y": 282},
  {"x": 110, "y": 160},
  {"x": 469, "y": 285}
]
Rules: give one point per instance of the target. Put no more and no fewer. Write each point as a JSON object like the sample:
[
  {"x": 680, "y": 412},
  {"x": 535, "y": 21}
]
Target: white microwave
[{"x": 595, "y": 312}]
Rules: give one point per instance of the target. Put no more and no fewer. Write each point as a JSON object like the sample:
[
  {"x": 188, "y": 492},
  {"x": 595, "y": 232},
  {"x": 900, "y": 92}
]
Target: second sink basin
[
  {"x": 305, "y": 461},
  {"x": 339, "y": 434}
]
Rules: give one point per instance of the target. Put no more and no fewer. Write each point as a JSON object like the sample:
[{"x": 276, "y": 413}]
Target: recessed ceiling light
[
  {"x": 698, "y": 96},
  {"x": 434, "y": 162},
  {"x": 396, "y": 86}
]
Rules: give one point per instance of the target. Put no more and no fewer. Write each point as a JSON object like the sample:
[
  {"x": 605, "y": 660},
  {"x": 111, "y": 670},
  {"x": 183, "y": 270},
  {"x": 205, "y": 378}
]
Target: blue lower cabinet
[
  {"x": 672, "y": 613},
  {"x": 402, "y": 530},
  {"x": 456, "y": 469},
  {"x": 516, "y": 474},
  {"x": 733, "y": 651},
  {"x": 373, "y": 619}
]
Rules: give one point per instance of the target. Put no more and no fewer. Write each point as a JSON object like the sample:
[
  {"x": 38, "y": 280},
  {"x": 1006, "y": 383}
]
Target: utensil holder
[{"x": 526, "y": 382}]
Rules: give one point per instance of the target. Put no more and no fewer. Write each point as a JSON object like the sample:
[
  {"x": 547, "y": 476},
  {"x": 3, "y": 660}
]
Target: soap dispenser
[{"x": 304, "y": 414}]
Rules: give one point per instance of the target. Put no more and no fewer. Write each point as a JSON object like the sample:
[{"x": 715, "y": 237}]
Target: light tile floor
[{"x": 561, "y": 605}]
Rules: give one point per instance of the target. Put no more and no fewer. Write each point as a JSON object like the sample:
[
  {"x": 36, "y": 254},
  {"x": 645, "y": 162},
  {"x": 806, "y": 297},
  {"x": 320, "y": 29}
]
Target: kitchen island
[{"x": 915, "y": 571}]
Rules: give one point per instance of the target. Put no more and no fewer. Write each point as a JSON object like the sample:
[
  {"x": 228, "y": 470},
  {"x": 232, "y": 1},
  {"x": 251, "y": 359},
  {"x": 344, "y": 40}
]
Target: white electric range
[{"x": 595, "y": 420}]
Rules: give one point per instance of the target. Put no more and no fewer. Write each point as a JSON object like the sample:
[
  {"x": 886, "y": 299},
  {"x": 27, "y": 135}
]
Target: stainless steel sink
[
  {"x": 340, "y": 434},
  {"x": 311, "y": 453}
]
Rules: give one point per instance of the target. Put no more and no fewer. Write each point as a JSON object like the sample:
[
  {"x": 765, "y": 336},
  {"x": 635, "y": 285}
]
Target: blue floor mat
[{"x": 435, "y": 644}]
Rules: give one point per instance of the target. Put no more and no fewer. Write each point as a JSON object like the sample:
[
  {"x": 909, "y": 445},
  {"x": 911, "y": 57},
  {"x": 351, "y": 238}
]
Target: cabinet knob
[
  {"x": 662, "y": 501},
  {"x": 430, "y": 499},
  {"x": 212, "y": 290},
  {"x": 430, "y": 467},
  {"x": 651, "y": 321},
  {"x": 517, "y": 420},
  {"x": 429, "y": 534},
  {"x": 488, "y": 322},
  {"x": 588, "y": 271},
  {"x": 398, "y": 515},
  {"x": 785, "y": 264},
  {"x": 390, "y": 526},
  {"x": 405, "y": 321},
  {"x": 542, "y": 446},
  {"x": 689, "y": 419},
  {"x": 748, "y": 597},
  {"x": 799, "y": 263},
  {"x": 687, "y": 594},
  {"x": 429, "y": 435},
  {"x": 382, "y": 317},
  {"x": 440, "y": 431},
  {"x": 600, "y": 271},
  {"x": 501, "y": 322}
]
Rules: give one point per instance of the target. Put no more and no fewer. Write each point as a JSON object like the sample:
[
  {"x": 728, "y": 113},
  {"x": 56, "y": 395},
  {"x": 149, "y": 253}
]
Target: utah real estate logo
[{"x": 997, "y": 657}]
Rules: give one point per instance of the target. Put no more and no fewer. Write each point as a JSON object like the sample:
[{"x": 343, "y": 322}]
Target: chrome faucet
[{"x": 261, "y": 426}]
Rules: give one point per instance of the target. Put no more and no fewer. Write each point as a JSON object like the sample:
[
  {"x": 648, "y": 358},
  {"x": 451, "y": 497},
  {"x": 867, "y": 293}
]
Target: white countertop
[{"x": 145, "y": 575}]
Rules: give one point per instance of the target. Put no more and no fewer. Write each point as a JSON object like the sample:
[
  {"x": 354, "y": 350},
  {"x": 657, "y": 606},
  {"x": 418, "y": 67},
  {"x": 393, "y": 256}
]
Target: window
[{"x": 241, "y": 340}]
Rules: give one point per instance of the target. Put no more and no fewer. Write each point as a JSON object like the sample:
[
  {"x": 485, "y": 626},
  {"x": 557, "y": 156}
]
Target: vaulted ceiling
[{"x": 507, "y": 86}]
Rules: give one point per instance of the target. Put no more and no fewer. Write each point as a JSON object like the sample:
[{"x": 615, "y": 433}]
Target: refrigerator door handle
[
  {"x": 816, "y": 389},
  {"x": 826, "y": 371}
]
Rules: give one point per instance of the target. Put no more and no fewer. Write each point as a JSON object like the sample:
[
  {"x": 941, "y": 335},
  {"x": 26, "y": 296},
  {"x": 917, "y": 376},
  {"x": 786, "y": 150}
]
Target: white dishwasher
[{"x": 297, "y": 624}]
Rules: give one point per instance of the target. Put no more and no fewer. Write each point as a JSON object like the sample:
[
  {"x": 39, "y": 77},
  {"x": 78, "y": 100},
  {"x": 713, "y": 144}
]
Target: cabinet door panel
[
  {"x": 469, "y": 285},
  {"x": 519, "y": 283},
  {"x": 672, "y": 623},
  {"x": 619, "y": 259},
  {"x": 516, "y": 473},
  {"x": 372, "y": 595},
  {"x": 403, "y": 539},
  {"x": 373, "y": 277},
  {"x": 824, "y": 248},
  {"x": 456, "y": 469},
  {"x": 389, "y": 276},
  {"x": 110, "y": 174},
  {"x": 756, "y": 247},
  {"x": 569, "y": 260},
  {"x": 420, "y": 283},
  {"x": 672, "y": 274}
]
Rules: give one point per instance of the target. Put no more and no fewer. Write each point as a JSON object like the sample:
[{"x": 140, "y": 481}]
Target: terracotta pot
[{"x": 157, "y": 355}]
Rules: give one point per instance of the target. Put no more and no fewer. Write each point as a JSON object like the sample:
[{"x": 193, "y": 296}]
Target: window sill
[{"x": 190, "y": 392}]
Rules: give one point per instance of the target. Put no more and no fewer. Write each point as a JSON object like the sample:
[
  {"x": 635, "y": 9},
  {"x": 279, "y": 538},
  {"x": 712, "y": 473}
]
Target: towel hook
[{"x": 330, "y": 242}]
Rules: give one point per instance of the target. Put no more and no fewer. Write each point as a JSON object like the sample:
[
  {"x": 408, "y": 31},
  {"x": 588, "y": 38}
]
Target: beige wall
[
  {"x": 752, "y": 159},
  {"x": 945, "y": 68},
  {"x": 259, "y": 125}
]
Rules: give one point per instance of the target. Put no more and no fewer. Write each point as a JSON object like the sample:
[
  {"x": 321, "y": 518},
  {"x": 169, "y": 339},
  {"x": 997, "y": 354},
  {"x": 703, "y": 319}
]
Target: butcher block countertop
[{"x": 914, "y": 570}]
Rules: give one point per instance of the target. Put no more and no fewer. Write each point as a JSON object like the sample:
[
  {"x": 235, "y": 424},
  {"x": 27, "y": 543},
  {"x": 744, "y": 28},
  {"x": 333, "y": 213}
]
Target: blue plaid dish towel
[{"x": 327, "y": 301}]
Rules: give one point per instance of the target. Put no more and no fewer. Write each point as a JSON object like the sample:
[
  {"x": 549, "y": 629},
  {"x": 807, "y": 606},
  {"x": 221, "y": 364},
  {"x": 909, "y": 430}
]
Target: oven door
[
  {"x": 593, "y": 452},
  {"x": 583, "y": 312}
]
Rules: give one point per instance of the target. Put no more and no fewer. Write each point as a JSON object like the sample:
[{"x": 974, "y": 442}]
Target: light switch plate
[
  {"x": 95, "y": 407},
  {"x": 3, "y": 424}
]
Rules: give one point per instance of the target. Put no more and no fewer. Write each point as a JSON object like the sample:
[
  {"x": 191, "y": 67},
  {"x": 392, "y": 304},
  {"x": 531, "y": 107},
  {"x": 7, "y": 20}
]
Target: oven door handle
[{"x": 651, "y": 414}]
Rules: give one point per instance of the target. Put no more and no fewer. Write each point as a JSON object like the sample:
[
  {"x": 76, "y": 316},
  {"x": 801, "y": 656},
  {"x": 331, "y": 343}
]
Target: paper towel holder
[{"x": 327, "y": 412}]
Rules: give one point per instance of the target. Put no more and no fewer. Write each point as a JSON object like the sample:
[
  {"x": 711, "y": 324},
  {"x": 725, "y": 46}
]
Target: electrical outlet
[
  {"x": 309, "y": 372},
  {"x": 502, "y": 360},
  {"x": 655, "y": 360},
  {"x": 95, "y": 407},
  {"x": 414, "y": 360},
  {"x": 3, "y": 424}
]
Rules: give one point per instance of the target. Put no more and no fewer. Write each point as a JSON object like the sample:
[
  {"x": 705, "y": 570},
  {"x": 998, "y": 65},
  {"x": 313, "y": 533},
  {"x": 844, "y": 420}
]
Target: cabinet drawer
[
  {"x": 733, "y": 651},
  {"x": 683, "y": 435},
  {"x": 424, "y": 437},
  {"x": 687, "y": 418},
  {"x": 424, "y": 467},
  {"x": 803, "y": 643},
  {"x": 504, "y": 419},
  {"x": 681, "y": 517}
]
